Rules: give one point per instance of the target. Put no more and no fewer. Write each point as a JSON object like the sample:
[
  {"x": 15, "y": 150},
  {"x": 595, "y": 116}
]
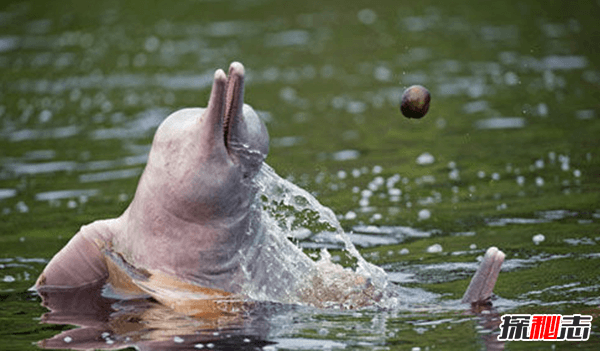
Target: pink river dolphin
[{"x": 191, "y": 233}]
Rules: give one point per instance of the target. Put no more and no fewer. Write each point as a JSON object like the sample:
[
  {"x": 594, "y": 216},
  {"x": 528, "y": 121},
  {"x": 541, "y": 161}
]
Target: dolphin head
[{"x": 202, "y": 161}]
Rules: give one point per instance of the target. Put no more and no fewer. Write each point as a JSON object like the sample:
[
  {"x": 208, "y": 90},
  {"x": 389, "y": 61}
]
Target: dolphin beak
[
  {"x": 234, "y": 101},
  {"x": 225, "y": 105}
]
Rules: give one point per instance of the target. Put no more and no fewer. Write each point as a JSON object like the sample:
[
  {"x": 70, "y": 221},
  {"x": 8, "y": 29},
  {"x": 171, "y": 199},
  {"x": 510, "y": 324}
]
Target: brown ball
[{"x": 415, "y": 102}]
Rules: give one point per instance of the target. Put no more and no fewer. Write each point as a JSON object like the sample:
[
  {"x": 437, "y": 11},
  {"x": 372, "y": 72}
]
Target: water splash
[{"x": 330, "y": 283}]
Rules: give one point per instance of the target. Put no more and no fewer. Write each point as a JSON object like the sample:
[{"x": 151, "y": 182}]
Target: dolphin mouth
[{"x": 234, "y": 93}]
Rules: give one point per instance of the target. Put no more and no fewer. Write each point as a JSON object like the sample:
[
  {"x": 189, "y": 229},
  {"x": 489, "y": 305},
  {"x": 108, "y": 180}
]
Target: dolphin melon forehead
[{"x": 226, "y": 123}]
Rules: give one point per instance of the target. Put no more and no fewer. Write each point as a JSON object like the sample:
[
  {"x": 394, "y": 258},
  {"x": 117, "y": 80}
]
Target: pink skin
[
  {"x": 192, "y": 212},
  {"x": 482, "y": 283},
  {"x": 192, "y": 220}
]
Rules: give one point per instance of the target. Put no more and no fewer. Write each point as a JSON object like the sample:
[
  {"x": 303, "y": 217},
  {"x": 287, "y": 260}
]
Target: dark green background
[{"x": 108, "y": 65}]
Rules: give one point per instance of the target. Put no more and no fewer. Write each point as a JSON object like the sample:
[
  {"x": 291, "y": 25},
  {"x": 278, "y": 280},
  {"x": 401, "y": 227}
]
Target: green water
[{"x": 84, "y": 85}]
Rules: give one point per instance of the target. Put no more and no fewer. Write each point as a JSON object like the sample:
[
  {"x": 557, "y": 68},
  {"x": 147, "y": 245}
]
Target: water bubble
[
  {"x": 496, "y": 176},
  {"x": 106, "y": 106},
  {"x": 152, "y": 44},
  {"x": 424, "y": 214},
  {"x": 367, "y": 16},
  {"x": 539, "y": 181},
  {"x": 323, "y": 331},
  {"x": 382, "y": 74},
  {"x": 435, "y": 248},
  {"x": 22, "y": 207},
  {"x": 178, "y": 340},
  {"x": 542, "y": 109},
  {"x": 511, "y": 78},
  {"x": 454, "y": 175},
  {"x": 378, "y": 181},
  {"x": 210, "y": 345},
  {"x": 377, "y": 169},
  {"x": 481, "y": 174},
  {"x": 404, "y": 251},
  {"x": 8, "y": 279},
  {"x": 538, "y": 238},
  {"x": 472, "y": 246},
  {"x": 45, "y": 116},
  {"x": 341, "y": 174},
  {"x": 68, "y": 339},
  {"x": 539, "y": 164},
  {"x": 394, "y": 192},
  {"x": 441, "y": 123},
  {"x": 425, "y": 159},
  {"x": 577, "y": 173},
  {"x": 199, "y": 346},
  {"x": 520, "y": 180},
  {"x": 356, "y": 107}
]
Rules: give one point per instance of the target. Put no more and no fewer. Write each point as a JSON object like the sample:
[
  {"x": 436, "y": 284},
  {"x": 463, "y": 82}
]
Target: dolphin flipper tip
[
  {"x": 483, "y": 282},
  {"x": 78, "y": 264}
]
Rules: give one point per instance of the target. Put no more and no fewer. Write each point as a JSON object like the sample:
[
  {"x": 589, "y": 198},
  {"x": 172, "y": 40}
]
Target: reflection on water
[
  {"x": 147, "y": 325},
  {"x": 103, "y": 323}
]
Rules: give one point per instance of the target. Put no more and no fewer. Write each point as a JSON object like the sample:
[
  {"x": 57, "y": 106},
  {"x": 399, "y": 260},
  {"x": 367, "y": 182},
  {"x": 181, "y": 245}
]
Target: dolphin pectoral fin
[
  {"x": 482, "y": 283},
  {"x": 80, "y": 262},
  {"x": 122, "y": 277},
  {"x": 128, "y": 282},
  {"x": 187, "y": 298}
]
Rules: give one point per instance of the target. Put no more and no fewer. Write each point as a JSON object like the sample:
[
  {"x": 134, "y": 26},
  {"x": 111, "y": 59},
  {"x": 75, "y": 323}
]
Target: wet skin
[
  {"x": 192, "y": 232},
  {"x": 192, "y": 212}
]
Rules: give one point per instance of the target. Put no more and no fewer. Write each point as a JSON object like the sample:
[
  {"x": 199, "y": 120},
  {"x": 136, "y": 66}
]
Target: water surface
[{"x": 507, "y": 155}]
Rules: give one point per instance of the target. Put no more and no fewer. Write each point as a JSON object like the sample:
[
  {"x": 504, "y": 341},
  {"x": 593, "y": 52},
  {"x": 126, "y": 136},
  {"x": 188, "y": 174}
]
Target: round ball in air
[{"x": 415, "y": 102}]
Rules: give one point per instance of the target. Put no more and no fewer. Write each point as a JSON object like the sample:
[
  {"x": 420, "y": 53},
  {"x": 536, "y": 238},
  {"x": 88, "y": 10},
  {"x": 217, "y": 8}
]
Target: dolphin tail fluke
[
  {"x": 482, "y": 284},
  {"x": 80, "y": 262}
]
